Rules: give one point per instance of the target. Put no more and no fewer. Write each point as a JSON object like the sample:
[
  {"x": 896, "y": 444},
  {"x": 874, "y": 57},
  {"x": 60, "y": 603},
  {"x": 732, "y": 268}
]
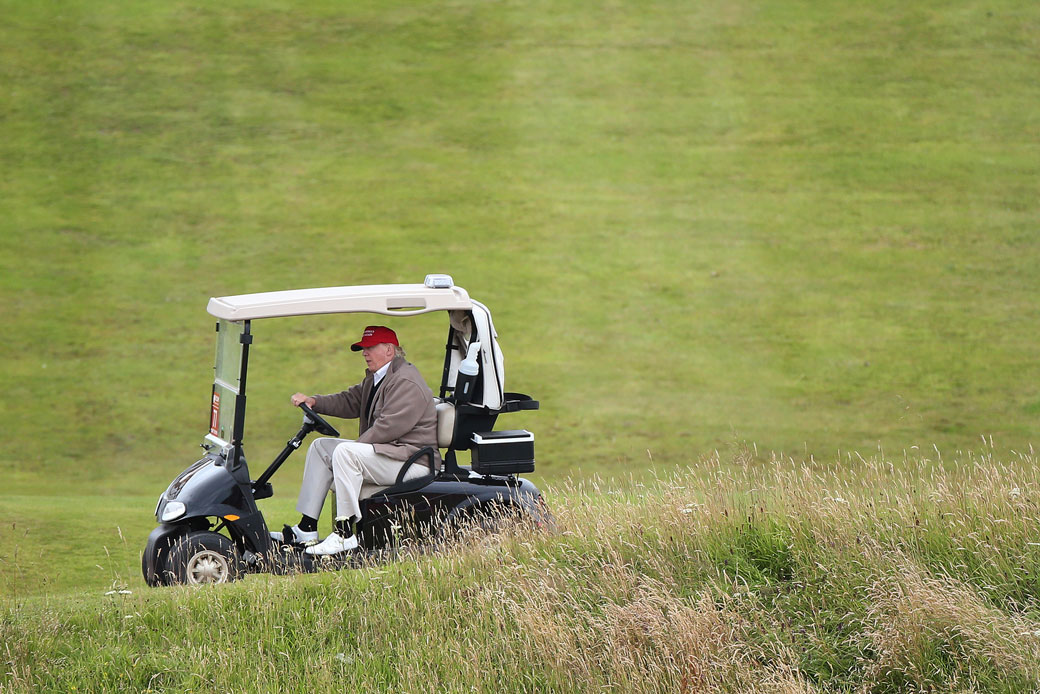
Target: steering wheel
[{"x": 320, "y": 425}]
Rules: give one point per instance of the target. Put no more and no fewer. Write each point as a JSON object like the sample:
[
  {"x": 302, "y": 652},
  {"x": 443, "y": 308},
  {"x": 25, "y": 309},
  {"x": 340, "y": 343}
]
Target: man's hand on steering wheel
[
  {"x": 305, "y": 403},
  {"x": 298, "y": 398}
]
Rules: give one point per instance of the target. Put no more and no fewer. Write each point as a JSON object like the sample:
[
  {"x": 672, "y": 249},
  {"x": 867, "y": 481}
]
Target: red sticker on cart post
[{"x": 214, "y": 419}]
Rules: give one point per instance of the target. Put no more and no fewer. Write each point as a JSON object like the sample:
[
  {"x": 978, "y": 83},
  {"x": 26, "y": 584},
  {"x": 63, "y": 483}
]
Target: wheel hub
[{"x": 208, "y": 567}]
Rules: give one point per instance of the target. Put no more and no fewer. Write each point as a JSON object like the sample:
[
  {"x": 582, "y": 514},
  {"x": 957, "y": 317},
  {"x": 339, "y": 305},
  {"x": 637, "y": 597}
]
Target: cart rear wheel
[{"x": 203, "y": 557}]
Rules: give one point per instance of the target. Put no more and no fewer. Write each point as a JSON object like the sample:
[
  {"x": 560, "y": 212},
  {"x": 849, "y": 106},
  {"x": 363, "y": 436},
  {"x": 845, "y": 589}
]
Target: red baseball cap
[{"x": 376, "y": 335}]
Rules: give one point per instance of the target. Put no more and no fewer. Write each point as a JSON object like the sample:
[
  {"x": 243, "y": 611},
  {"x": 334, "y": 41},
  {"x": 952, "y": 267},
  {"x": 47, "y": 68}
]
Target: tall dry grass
[
  {"x": 864, "y": 575},
  {"x": 869, "y": 575}
]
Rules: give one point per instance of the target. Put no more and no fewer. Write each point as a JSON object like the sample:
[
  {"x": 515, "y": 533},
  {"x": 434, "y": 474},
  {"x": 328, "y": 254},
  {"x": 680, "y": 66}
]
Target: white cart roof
[
  {"x": 470, "y": 318},
  {"x": 387, "y": 299}
]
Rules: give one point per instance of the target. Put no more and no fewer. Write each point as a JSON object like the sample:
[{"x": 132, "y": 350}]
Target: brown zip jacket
[{"x": 403, "y": 418}]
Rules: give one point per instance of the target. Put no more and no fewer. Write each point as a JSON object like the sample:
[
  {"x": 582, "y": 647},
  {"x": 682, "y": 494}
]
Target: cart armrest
[{"x": 422, "y": 452}]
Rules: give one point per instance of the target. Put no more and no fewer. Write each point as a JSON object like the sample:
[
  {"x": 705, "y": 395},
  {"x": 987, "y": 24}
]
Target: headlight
[{"x": 173, "y": 511}]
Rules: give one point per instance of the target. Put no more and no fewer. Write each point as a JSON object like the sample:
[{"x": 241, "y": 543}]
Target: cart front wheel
[
  {"x": 161, "y": 576},
  {"x": 203, "y": 557}
]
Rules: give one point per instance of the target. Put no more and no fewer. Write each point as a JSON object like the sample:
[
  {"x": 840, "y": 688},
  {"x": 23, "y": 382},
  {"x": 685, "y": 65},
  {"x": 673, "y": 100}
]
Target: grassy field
[
  {"x": 729, "y": 576},
  {"x": 708, "y": 231},
  {"x": 807, "y": 226}
]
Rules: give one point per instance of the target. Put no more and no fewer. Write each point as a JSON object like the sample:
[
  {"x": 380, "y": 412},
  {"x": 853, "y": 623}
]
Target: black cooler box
[{"x": 503, "y": 452}]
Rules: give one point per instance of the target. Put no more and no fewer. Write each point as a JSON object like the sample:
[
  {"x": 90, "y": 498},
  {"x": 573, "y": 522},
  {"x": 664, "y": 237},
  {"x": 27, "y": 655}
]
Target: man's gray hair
[{"x": 399, "y": 351}]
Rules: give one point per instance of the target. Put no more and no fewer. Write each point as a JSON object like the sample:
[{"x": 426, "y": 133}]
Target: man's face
[{"x": 377, "y": 356}]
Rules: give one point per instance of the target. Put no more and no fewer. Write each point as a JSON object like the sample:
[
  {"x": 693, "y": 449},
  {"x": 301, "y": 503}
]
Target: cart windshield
[{"x": 226, "y": 381}]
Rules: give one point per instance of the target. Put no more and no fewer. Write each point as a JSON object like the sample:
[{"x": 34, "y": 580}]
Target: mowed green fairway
[{"x": 807, "y": 227}]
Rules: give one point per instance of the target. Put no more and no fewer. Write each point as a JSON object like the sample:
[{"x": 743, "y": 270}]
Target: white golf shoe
[
  {"x": 294, "y": 536},
  {"x": 333, "y": 544}
]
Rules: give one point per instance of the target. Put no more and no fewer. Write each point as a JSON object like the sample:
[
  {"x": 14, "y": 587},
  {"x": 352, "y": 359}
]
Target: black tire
[
  {"x": 492, "y": 517},
  {"x": 161, "y": 575},
  {"x": 202, "y": 557},
  {"x": 484, "y": 519}
]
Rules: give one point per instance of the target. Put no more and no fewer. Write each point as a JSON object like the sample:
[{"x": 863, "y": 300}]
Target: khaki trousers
[{"x": 353, "y": 469}]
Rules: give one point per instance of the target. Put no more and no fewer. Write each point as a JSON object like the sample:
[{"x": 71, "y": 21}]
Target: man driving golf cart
[
  {"x": 210, "y": 528},
  {"x": 397, "y": 418}
]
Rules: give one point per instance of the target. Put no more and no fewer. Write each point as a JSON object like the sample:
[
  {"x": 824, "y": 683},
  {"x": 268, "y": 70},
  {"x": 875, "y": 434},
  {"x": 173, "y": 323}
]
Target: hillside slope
[{"x": 811, "y": 226}]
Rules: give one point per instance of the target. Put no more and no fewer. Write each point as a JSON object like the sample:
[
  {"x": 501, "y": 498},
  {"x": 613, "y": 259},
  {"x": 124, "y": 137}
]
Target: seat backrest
[{"x": 445, "y": 422}]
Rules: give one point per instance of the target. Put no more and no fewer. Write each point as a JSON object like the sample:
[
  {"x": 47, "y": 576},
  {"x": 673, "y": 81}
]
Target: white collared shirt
[{"x": 378, "y": 375}]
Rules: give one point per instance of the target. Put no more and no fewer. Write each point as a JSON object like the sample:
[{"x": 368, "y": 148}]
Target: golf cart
[{"x": 210, "y": 529}]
